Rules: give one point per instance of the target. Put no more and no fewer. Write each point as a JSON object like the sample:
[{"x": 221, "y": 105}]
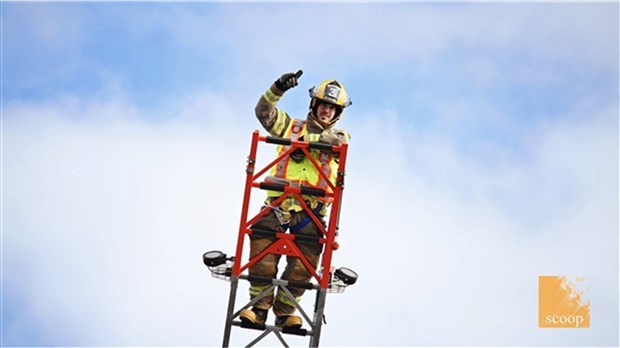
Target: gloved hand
[
  {"x": 334, "y": 137},
  {"x": 298, "y": 155},
  {"x": 288, "y": 81}
]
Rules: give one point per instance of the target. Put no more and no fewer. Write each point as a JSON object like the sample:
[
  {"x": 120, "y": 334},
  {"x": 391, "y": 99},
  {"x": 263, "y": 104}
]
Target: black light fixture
[
  {"x": 347, "y": 275},
  {"x": 213, "y": 258}
]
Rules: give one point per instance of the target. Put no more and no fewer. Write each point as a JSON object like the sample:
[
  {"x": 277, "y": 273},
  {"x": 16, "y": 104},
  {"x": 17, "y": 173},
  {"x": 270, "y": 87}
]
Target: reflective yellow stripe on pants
[
  {"x": 284, "y": 298},
  {"x": 257, "y": 289}
]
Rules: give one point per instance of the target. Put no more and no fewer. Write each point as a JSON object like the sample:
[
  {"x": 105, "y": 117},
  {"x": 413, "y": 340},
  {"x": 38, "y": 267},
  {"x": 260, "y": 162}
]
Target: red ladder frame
[{"x": 284, "y": 243}]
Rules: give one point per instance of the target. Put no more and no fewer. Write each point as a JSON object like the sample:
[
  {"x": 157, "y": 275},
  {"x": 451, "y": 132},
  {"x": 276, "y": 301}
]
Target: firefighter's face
[{"x": 325, "y": 113}]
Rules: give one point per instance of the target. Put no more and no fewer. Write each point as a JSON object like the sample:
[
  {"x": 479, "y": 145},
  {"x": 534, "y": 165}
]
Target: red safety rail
[{"x": 283, "y": 243}]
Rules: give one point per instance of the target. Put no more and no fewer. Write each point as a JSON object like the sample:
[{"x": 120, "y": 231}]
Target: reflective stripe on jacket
[{"x": 303, "y": 172}]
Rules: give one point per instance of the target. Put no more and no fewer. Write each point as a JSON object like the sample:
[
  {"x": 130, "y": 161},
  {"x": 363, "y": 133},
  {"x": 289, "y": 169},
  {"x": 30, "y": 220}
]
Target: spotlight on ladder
[
  {"x": 341, "y": 278},
  {"x": 219, "y": 265},
  {"x": 347, "y": 275}
]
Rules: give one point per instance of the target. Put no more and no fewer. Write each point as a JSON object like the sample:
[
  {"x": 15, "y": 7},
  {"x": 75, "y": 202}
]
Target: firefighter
[{"x": 328, "y": 99}]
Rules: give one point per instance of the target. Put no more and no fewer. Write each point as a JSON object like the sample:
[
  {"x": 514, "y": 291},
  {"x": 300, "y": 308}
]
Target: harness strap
[{"x": 307, "y": 219}]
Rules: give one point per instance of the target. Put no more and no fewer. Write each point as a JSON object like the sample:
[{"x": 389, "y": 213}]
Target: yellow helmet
[{"x": 331, "y": 91}]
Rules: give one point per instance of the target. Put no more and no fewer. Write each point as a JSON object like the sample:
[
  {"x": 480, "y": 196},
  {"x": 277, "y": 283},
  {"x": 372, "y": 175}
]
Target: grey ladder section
[{"x": 314, "y": 332}]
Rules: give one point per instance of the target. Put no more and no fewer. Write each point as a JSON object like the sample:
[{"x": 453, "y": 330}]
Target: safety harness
[{"x": 298, "y": 226}]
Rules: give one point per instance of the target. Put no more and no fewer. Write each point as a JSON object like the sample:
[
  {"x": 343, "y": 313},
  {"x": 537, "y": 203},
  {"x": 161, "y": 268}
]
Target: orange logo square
[{"x": 562, "y": 302}]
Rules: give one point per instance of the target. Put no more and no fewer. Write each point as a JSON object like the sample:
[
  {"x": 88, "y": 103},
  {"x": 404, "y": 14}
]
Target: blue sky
[{"x": 484, "y": 154}]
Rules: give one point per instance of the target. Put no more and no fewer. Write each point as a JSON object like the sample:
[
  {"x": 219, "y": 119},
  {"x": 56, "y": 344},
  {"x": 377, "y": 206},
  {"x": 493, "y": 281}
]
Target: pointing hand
[{"x": 288, "y": 81}]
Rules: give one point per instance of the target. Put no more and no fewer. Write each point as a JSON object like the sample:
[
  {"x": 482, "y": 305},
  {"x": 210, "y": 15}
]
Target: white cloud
[
  {"x": 110, "y": 219},
  {"x": 120, "y": 213},
  {"x": 468, "y": 250}
]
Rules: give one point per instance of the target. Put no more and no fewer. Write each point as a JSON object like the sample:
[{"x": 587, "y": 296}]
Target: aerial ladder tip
[{"x": 328, "y": 279}]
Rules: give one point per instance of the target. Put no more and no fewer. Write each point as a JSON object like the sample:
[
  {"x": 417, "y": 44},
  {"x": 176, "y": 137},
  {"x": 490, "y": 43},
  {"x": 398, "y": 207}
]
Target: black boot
[{"x": 289, "y": 321}]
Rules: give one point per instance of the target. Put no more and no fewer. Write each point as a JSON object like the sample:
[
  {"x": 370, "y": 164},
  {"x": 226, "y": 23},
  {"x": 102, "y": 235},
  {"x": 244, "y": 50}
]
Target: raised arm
[{"x": 274, "y": 120}]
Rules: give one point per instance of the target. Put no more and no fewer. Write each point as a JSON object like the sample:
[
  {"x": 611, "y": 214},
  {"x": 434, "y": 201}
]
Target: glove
[
  {"x": 334, "y": 137},
  {"x": 288, "y": 81},
  {"x": 330, "y": 139},
  {"x": 298, "y": 155}
]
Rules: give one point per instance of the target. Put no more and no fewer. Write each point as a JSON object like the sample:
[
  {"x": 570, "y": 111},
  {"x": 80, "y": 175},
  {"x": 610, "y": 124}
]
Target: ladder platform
[{"x": 282, "y": 282}]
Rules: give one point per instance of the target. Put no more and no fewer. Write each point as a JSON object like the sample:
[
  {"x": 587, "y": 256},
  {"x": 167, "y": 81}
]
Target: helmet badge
[{"x": 332, "y": 93}]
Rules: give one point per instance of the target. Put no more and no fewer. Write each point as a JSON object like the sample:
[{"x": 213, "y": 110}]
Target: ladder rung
[
  {"x": 304, "y": 190},
  {"x": 289, "y": 283},
  {"x": 259, "y": 232}
]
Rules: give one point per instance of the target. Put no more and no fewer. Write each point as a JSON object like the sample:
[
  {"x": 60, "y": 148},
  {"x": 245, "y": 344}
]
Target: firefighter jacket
[{"x": 298, "y": 170}]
